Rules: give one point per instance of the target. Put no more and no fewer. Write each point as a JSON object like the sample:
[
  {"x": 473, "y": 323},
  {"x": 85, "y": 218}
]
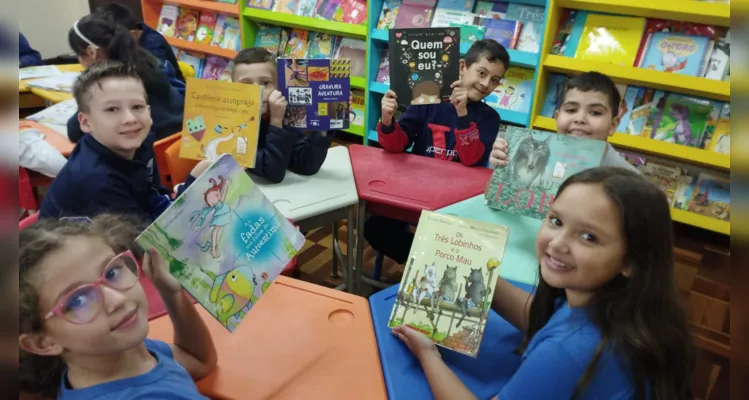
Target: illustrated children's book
[
  {"x": 506, "y": 32},
  {"x": 62, "y": 82},
  {"x": 321, "y": 45},
  {"x": 515, "y": 90},
  {"x": 329, "y": 9},
  {"x": 677, "y": 53},
  {"x": 296, "y": 47},
  {"x": 388, "y": 14},
  {"x": 221, "y": 117},
  {"x": 610, "y": 39},
  {"x": 230, "y": 39},
  {"x": 187, "y": 24},
  {"x": 57, "y": 114},
  {"x": 712, "y": 197},
  {"x": 269, "y": 38},
  {"x": 446, "y": 290},
  {"x": 317, "y": 91},
  {"x": 214, "y": 67},
  {"x": 168, "y": 20},
  {"x": 262, "y": 4},
  {"x": 425, "y": 62},
  {"x": 682, "y": 120},
  {"x": 532, "y": 19},
  {"x": 42, "y": 71},
  {"x": 539, "y": 163},
  {"x": 357, "y": 108},
  {"x": 224, "y": 241},
  {"x": 415, "y": 14},
  {"x": 352, "y": 12},
  {"x": 218, "y": 30},
  {"x": 206, "y": 26}
]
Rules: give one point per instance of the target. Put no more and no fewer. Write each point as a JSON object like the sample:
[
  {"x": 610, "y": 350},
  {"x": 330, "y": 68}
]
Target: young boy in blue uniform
[
  {"x": 462, "y": 130},
  {"x": 112, "y": 169},
  {"x": 279, "y": 147},
  {"x": 27, "y": 56},
  {"x": 589, "y": 110}
]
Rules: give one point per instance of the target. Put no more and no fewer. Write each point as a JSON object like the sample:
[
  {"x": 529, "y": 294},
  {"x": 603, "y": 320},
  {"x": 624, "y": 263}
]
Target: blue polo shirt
[
  {"x": 95, "y": 180},
  {"x": 166, "y": 381},
  {"x": 556, "y": 359}
]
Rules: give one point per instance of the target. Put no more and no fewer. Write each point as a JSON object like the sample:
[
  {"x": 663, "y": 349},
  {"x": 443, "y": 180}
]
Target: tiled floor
[{"x": 702, "y": 274}]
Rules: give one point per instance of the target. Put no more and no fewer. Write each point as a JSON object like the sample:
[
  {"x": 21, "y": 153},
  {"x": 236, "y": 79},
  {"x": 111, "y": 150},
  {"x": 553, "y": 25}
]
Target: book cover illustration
[
  {"x": 207, "y": 24},
  {"x": 218, "y": 30},
  {"x": 329, "y": 9},
  {"x": 675, "y": 53},
  {"x": 554, "y": 94},
  {"x": 352, "y": 12},
  {"x": 62, "y": 82},
  {"x": 168, "y": 20},
  {"x": 456, "y": 5},
  {"x": 296, "y": 47},
  {"x": 664, "y": 176},
  {"x": 491, "y": 10},
  {"x": 383, "y": 72},
  {"x": 224, "y": 241},
  {"x": 720, "y": 59},
  {"x": 388, "y": 14},
  {"x": 447, "y": 288},
  {"x": 195, "y": 60},
  {"x": 711, "y": 125},
  {"x": 415, "y": 14},
  {"x": 610, "y": 39},
  {"x": 58, "y": 114},
  {"x": 683, "y": 120},
  {"x": 269, "y": 38},
  {"x": 214, "y": 67},
  {"x": 469, "y": 33},
  {"x": 261, "y": 4},
  {"x": 684, "y": 191},
  {"x": 321, "y": 45},
  {"x": 221, "y": 117},
  {"x": 187, "y": 24},
  {"x": 306, "y": 8},
  {"x": 286, "y": 6},
  {"x": 712, "y": 197},
  {"x": 515, "y": 91},
  {"x": 357, "y": 108},
  {"x": 504, "y": 31},
  {"x": 444, "y": 18},
  {"x": 531, "y": 33},
  {"x": 42, "y": 71},
  {"x": 317, "y": 91},
  {"x": 539, "y": 163},
  {"x": 231, "y": 34},
  {"x": 687, "y": 28},
  {"x": 428, "y": 63},
  {"x": 356, "y": 51}
]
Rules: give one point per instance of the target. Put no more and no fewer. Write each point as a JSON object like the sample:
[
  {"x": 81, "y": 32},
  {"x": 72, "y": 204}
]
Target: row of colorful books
[
  {"x": 299, "y": 43},
  {"x": 204, "y": 27},
  {"x": 347, "y": 11},
  {"x": 515, "y": 26},
  {"x": 663, "y": 45},
  {"x": 669, "y": 117},
  {"x": 206, "y": 66},
  {"x": 697, "y": 192}
]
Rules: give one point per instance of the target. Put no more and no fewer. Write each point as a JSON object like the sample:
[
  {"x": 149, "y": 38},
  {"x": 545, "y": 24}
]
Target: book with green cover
[
  {"x": 224, "y": 241},
  {"x": 538, "y": 163},
  {"x": 447, "y": 288}
]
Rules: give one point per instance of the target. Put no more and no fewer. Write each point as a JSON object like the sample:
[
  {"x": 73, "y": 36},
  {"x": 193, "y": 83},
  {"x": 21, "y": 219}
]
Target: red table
[{"x": 401, "y": 185}]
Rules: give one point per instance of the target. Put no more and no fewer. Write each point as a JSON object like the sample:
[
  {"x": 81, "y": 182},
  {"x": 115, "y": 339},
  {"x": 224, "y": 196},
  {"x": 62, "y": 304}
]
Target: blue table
[
  {"x": 484, "y": 375},
  {"x": 519, "y": 263}
]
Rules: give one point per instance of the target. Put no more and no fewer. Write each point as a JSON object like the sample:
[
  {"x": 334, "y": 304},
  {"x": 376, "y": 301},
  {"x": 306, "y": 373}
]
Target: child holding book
[
  {"x": 279, "y": 147},
  {"x": 589, "y": 110},
  {"x": 95, "y": 38},
  {"x": 112, "y": 169},
  {"x": 83, "y": 317},
  {"x": 597, "y": 326},
  {"x": 462, "y": 130}
]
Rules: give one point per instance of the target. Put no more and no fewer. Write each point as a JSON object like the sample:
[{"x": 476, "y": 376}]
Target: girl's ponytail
[{"x": 123, "y": 47}]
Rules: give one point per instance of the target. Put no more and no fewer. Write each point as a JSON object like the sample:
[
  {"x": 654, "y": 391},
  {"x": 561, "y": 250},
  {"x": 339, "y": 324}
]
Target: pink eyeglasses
[{"x": 83, "y": 304}]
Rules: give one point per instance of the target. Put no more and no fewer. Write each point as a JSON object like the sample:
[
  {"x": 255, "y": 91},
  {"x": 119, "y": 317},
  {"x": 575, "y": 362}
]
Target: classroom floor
[{"x": 702, "y": 275}]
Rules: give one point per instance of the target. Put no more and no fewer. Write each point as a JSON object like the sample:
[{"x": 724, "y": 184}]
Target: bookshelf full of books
[
  {"x": 671, "y": 63},
  {"x": 313, "y": 29},
  {"x": 516, "y": 24},
  {"x": 204, "y": 34}
]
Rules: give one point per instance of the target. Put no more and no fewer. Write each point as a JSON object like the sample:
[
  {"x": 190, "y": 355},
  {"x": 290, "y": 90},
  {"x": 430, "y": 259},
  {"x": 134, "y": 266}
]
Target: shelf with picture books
[
  {"x": 313, "y": 29},
  {"x": 203, "y": 34},
  {"x": 673, "y": 78},
  {"x": 518, "y": 25}
]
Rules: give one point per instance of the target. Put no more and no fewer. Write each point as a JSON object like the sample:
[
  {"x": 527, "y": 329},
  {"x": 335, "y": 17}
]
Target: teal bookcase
[{"x": 377, "y": 41}]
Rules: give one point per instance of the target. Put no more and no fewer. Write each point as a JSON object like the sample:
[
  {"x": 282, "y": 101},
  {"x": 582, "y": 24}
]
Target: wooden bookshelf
[{"x": 202, "y": 48}]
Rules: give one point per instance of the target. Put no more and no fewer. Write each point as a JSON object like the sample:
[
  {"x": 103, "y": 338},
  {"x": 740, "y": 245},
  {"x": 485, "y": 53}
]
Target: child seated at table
[
  {"x": 27, "y": 56},
  {"x": 589, "y": 110},
  {"x": 112, "y": 169},
  {"x": 83, "y": 316},
  {"x": 95, "y": 38},
  {"x": 606, "y": 320},
  {"x": 462, "y": 130},
  {"x": 279, "y": 147}
]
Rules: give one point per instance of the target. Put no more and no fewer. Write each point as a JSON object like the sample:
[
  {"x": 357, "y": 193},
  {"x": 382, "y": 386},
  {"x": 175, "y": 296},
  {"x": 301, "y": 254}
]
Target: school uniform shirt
[
  {"x": 27, "y": 56},
  {"x": 614, "y": 159},
  {"x": 153, "y": 41},
  {"x": 436, "y": 131},
  {"x": 556, "y": 359},
  {"x": 166, "y": 381},
  {"x": 167, "y": 109},
  {"x": 282, "y": 148},
  {"x": 96, "y": 180}
]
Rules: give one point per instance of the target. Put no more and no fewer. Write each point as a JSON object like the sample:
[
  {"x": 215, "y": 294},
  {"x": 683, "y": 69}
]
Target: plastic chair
[
  {"x": 26, "y": 197},
  {"x": 179, "y": 168},
  {"x": 187, "y": 70},
  {"x": 159, "y": 148},
  {"x": 28, "y": 221}
]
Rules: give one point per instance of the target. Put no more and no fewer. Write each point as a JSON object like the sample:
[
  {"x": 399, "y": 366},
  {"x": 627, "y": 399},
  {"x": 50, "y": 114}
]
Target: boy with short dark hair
[
  {"x": 589, "y": 110},
  {"x": 112, "y": 169},
  {"x": 279, "y": 147},
  {"x": 462, "y": 130}
]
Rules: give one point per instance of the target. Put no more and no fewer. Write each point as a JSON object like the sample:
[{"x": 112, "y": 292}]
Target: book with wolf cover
[
  {"x": 224, "y": 241},
  {"x": 447, "y": 288},
  {"x": 538, "y": 163},
  {"x": 425, "y": 64},
  {"x": 317, "y": 92},
  {"x": 221, "y": 117}
]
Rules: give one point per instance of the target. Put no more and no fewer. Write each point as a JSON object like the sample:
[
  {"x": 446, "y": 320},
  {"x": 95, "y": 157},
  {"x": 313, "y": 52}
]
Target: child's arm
[
  {"x": 474, "y": 139},
  {"x": 398, "y": 136},
  {"x": 309, "y": 153},
  {"x": 193, "y": 347},
  {"x": 271, "y": 161},
  {"x": 549, "y": 372},
  {"x": 512, "y": 303}
]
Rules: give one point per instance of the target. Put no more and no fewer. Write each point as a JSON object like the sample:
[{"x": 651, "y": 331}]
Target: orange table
[
  {"x": 56, "y": 139},
  {"x": 26, "y": 94},
  {"x": 299, "y": 341}
]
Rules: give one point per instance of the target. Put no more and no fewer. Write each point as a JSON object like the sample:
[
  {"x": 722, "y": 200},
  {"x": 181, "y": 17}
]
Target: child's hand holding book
[
  {"x": 158, "y": 272},
  {"x": 277, "y": 108},
  {"x": 498, "y": 156},
  {"x": 389, "y": 105},
  {"x": 459, "y": 98}
]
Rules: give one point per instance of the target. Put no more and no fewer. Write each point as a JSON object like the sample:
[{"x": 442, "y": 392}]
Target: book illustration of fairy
[{"x": 224, "y": 241}]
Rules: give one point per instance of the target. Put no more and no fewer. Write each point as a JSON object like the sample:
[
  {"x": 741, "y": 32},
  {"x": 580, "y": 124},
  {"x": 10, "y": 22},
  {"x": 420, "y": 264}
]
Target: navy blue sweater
[
  {"x": 436, "y": 131},
  {"x": 279, "y": 149},
  {"x": 167, "y": 108},
  {"x": 154, "y": 42},
  {"x": 27, "y": 56},
  {"x": 95, "y": 180}
]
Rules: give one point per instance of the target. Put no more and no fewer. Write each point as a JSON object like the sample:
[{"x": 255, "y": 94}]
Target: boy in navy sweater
[
  {"x": 461, "y": 130},
  {"x": 112, "y": 169},
  {"x": 279, "y": 147}
]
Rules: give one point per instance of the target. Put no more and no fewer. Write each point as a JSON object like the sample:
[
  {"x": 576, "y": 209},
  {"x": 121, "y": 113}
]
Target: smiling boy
[
  {"x": 112, "y": 169},
  {"x": 461, "y": 130}
]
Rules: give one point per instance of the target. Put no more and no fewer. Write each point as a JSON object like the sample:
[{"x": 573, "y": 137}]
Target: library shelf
[
  {"x": 202, "y": 48},
  {"x": 356, "y": 31},
  {"x": 689, "y": 11}
]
